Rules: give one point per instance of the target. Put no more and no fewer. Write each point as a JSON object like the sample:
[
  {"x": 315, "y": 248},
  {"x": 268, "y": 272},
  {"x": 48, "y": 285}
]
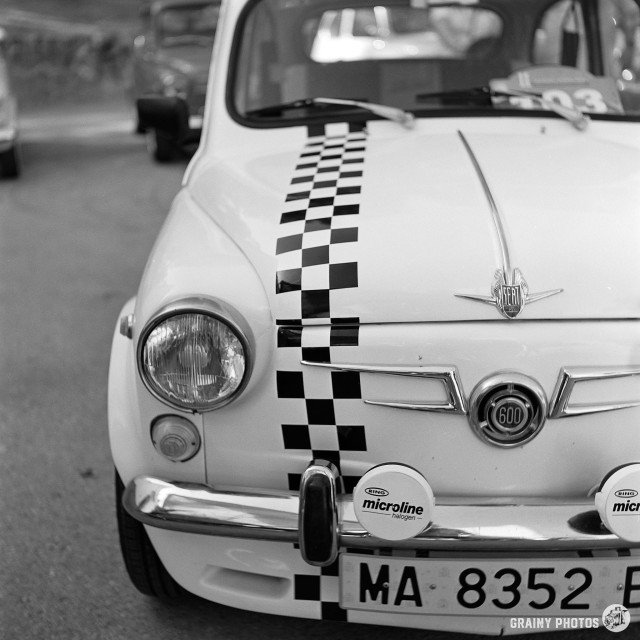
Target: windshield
[
  {"x": 430, "y": 56},
  {"x": 191, "y": 22}
]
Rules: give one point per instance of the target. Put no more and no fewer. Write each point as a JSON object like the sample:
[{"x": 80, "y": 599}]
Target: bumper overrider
[{"x": 321, "y": 519}]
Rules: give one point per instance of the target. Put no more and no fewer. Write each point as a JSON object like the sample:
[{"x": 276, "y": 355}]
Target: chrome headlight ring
[{"x": 191, "y": 362}]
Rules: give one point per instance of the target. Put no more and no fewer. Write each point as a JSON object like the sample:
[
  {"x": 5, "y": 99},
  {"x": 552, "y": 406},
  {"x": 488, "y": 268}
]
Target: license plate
[{"x": 519, "y": 586}]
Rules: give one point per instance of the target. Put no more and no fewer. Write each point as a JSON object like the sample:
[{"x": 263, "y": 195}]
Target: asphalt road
[{"x": 75, "y": 230}]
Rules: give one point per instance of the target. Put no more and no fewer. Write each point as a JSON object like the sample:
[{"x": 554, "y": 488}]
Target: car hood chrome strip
[{"x": 493, "y": 206}]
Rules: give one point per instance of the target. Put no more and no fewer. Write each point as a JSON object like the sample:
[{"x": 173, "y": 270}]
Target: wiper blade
[
  {"x": 483, "y": 95},
  {"x": 474, "y": 95},
  {"x": 405, "y": 118}
]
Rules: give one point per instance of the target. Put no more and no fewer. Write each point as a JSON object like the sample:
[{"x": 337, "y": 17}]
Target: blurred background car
[
  {"x": 9, "y": 154},
  {"x": 171, "y": 59},
  {"x": 394, "y": 32}
]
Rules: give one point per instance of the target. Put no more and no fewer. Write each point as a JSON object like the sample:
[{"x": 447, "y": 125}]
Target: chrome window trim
[
  {"x": 571, "y": 376},
  {"x": 448, "y": 375}
]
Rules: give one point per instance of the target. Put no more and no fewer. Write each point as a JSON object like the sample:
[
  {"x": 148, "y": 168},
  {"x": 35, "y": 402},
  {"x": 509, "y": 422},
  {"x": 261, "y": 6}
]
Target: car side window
[
  {"x": 561, "y": 37},
  {"x": 257, "y": 83}
]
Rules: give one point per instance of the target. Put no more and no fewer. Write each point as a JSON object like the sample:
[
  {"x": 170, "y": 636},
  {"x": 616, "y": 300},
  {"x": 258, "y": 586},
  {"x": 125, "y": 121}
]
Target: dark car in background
[
  {"x": 9, "y": 158},
  {"x": 171, "y": 60}
]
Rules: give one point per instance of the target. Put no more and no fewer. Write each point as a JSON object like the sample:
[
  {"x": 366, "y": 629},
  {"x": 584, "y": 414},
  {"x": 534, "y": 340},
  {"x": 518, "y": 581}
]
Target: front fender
[
  {"x": 132, "y": 410},
  {"x": 192, "y": 257}
]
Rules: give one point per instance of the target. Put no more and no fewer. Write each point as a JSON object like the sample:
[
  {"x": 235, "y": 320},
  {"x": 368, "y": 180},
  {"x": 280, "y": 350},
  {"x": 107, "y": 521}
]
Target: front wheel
[
  {"x": 144, "y": 567},
  {"x": 162, "y": 147}
]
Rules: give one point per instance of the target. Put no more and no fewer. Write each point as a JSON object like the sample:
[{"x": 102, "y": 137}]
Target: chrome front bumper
[{"x": 321, "y": 520}]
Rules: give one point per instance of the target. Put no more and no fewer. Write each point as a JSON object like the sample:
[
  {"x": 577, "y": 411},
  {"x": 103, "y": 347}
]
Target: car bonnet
[{"x": 363, "y": 223}]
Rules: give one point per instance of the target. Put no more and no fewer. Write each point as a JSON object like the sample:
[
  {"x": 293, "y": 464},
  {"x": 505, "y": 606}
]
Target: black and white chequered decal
[
  {"x": 318, "y": 226},
  {"x": 316, "y": 273},
  {"x": 315, "y": 267}
]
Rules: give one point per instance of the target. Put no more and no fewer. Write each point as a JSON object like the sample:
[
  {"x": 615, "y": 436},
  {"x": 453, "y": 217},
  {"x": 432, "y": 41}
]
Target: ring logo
[
  {"x": 626, "y": 493},
  {"x": 376, "y": 491}
]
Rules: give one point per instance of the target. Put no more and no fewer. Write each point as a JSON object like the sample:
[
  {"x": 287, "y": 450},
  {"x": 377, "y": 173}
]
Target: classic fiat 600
[{"x": 384, "y": 362}]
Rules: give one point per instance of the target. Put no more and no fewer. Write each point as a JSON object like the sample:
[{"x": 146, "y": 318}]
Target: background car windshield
[
  {"x": 395, "y": 53},
  {"x": 188, "y": 22}
]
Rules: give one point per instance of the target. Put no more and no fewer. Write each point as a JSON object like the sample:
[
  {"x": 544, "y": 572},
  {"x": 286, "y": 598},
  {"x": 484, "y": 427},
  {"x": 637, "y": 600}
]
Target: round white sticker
[
  {"x": 393, "y": 502},
  {"x": 618, "y": 502}
]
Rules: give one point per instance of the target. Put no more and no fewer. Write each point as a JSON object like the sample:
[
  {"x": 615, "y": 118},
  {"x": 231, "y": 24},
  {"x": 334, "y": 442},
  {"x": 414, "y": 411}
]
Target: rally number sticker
[
  {"x": 565, "y": 86},
  {"x": 585, "y": 100}
]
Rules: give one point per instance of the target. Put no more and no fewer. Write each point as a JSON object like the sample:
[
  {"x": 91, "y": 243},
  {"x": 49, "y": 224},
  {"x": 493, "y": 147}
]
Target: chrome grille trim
[
  {"x": 456, "y": 403},
  {"x": 571, "y": 376},
  {"x": 449, "y": 377}
]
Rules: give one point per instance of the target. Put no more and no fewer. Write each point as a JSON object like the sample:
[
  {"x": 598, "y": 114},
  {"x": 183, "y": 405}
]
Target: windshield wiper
[
  {"x": 483, "y": 95},
  {"x": 405, "y": 118}
]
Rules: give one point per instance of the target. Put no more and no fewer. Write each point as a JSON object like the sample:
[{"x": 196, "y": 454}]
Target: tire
[
  {"x": 145, "y": 569},
  {"x": 162, "y": 147},
  {"x": 138, "y": 129},
  {"x": 10, "y": 163}
]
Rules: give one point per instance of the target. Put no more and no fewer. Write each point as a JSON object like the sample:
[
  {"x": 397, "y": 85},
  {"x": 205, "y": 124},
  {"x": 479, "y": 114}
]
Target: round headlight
[{"x": 193, "y": 360}]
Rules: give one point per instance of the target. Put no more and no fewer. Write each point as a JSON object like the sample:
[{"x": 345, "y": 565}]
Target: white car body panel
[{"x": 431, "y": 222}]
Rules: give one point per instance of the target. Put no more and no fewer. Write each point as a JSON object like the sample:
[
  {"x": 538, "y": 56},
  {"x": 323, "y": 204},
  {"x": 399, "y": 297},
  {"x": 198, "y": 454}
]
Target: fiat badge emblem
[{"x": 509, "y": 293}]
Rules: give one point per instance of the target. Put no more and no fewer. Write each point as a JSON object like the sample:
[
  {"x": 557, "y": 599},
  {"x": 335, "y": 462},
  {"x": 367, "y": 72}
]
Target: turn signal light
[{"x": 175, "y": 438}]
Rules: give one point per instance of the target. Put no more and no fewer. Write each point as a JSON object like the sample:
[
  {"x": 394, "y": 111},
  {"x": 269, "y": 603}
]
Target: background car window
[
  {"x": 188, "y": 21},
  {"x": 364, "y": 23},
  {"x": 465, "y": 27},
  {"x": 393, "y": 32},
  {"x": 405, "y": 20}
]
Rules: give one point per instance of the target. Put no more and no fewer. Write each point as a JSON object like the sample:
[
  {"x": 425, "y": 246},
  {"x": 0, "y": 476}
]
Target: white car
[
  {"x": 9, "y": 148},
  {"x": 383, "y": 365}
]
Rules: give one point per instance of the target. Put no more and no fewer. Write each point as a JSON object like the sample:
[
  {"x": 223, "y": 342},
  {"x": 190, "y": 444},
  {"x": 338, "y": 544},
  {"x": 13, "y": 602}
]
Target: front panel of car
[{"x": 340, "y": 393}]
